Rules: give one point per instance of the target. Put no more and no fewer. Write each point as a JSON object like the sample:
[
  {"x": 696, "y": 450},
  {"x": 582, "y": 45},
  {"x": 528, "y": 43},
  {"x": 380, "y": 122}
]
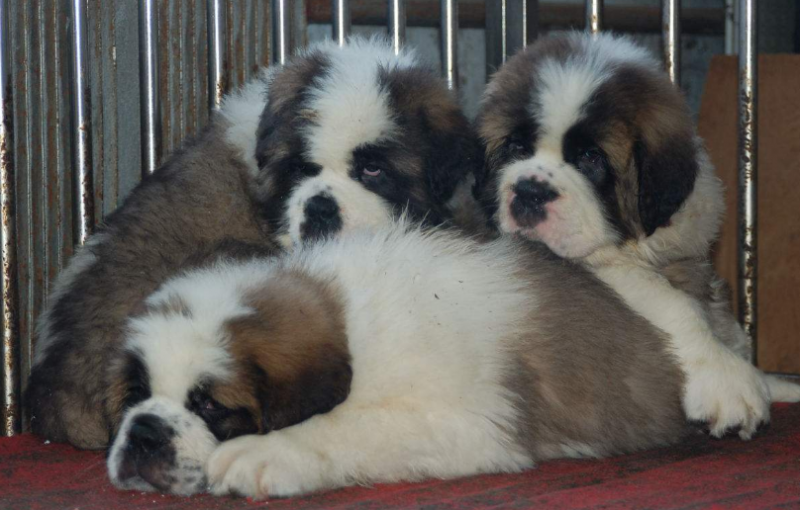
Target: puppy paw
[
  {"x": 260, "y": 467},
  {"x": 729, "y": 394}
]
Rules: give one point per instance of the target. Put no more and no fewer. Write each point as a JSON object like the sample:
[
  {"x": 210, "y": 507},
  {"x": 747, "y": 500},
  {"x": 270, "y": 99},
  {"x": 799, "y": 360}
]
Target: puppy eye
[
  {"x": 593, "y": 156},
  {"x": 209, "y": 405},
  {"x": 515, "y": 147},
  {"x": 371, "y": 170}
]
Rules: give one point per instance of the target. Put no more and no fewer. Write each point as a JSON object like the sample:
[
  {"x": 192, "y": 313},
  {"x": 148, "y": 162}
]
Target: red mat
[{"x": 701, "y": 473}]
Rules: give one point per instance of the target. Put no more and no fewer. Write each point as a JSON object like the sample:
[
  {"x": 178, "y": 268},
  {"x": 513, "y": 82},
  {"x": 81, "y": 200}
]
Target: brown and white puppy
[
  {"x": 591, "y": 150},
  {"x": 199, "y": 197},
  {"x": 466, "y": 357},
  {"x": 354, "y": 136}
]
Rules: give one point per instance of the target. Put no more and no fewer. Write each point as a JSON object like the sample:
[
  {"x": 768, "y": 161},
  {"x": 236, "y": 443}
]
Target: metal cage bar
[
  {"x": 396, "y": 20},
  {"x": 449, "y": 42},
  {"x": 671, "y": 35},
  {"x": 340, "y": 13},
  {"x": 594, "y": 16},
  {"x": 216, "y": 50},
  {"x": 748, "y": 174},
  {"x": 281, "y": 37},
  {"x": 510, "y": 26},
  {"x": 10, "y": 349},
  {"x": 148, "y": 69},
  {"x": 82, "y": 177}
]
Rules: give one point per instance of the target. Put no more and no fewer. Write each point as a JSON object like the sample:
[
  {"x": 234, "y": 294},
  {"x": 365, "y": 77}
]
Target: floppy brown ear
[
  {"x": 295, "y": 346},
  {"x": 666, "y": 179}
]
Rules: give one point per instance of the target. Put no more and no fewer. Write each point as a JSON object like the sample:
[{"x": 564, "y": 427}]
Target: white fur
[
  {"x": 426, "y": 345},
  {"x": 242, "y": 110}
]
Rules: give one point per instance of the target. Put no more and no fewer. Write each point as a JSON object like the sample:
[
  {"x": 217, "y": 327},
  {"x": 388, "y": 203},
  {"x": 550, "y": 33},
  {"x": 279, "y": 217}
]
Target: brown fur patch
[{"x": 292, "y": 352}]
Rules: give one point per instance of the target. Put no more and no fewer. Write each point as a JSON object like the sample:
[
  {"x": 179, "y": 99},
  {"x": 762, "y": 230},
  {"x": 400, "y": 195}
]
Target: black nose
[
  {"x": 149, "y": 433},
  {"x": 528, "y": 206},
  {"x": 321, "y": 217}
]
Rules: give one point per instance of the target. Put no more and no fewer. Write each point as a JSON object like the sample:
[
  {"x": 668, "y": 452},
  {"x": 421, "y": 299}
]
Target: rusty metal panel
[{"x": 11, "y": 410}]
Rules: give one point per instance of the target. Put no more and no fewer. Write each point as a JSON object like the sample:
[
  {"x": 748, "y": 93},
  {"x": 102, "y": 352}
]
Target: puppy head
[
  {"x": 220, "y": 353},
  {"x": 353, "y": 136},
  {"x": 589, "y": 145}
]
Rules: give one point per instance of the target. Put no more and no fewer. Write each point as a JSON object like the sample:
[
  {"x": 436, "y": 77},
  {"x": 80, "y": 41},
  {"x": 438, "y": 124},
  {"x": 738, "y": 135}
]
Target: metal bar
[
  {"x": 10, "y": 348},
  {"x": 148, "y": 76},
  {"x": 83, "y": 200},
  {"x": 510, "y": 25},
  {"x": 449, "y": 36},
  {"x": 748, "y": 174},
  {"x": 594, "y": 16},
  {"x": 340, "y": 19},
  {"x": 216, "y": 50},
  {"x": 396, "y": 21},
  {"x": 281, "y": 38},
  {"x": 671, "y": 33}
]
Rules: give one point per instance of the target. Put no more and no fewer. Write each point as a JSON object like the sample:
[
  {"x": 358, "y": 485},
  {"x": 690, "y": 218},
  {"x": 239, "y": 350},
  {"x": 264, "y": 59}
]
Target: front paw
[
  {"x": 728, "y": 393},
  {"x": 260, "y": 467}
]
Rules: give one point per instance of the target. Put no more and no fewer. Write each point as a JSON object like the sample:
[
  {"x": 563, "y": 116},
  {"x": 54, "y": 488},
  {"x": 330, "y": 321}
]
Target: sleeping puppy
[
  {"x": 354, "y": 136},
  {"x": 460, "y": 358},
  {"x": 199, "y": 197},
  {"x": 591, "y": 150}
]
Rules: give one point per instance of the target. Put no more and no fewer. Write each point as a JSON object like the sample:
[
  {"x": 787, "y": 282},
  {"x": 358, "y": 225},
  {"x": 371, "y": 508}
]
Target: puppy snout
[
  {"x": 149, "y": 433},
  {"x": 527, "y": 207},
  {"x": 322, "y": 217}
]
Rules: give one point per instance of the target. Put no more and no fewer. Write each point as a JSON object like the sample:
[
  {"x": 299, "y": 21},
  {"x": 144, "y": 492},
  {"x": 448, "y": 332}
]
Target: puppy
[
  {"x": 199, "y": 197},
  {"x": 353, "y": 136},
  {"x": 460, "y": 358},
  {"x": 591, "y": 150}
]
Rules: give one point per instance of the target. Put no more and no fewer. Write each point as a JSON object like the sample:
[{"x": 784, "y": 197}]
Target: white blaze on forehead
[
  {"x": 565, "y": 87},
  {"x": 350, "y": 107},
  {"x": 179, "y": 350}
]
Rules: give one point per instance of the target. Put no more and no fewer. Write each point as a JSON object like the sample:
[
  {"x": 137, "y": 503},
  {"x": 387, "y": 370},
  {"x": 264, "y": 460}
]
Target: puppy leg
[
  {"x": 721, "y": 387},
  {"x": 359, "y": 444},
  {"x": 782, "y": 390}
]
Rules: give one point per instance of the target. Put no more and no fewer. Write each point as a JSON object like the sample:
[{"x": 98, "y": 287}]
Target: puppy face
[
  {"x": 206, "y": 363},
  {"x": 589, "y": 145},
  {"x": 353, "y": 136}
]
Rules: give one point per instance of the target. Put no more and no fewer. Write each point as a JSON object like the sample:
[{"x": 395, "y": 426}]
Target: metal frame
[{"x": 211, "y": 39}]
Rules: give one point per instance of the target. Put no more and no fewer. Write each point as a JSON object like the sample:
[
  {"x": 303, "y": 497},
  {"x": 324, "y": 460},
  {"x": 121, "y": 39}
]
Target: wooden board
[{"x": 778, "y": 195}]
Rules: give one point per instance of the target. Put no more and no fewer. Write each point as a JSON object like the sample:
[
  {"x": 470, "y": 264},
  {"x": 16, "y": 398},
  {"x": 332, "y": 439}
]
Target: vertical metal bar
[
  {"x": 148, "y": 76},
  {"x": 510, "y": 25},
  {"x": 83, "y": 201},
  {"x": 671, "y": 33},
  {"x": 281, "y": 38},
  {"x": 10, "y": 347},
  {"x": 397, "y": 24},
  {"x": 449, "y": 35},
  {"x": 594, "y": 16},
  {"x": 340, "y": 13},
  {"x": 748, "y": 175},
  {"x": 216, "y": 50}
]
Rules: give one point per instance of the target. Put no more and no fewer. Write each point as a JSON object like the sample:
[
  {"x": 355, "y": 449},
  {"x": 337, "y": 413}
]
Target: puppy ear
[
  {"x": 666, "y": 179},
  {"x": 317, "y": 389},
  {"x": 296, "y": 347}
]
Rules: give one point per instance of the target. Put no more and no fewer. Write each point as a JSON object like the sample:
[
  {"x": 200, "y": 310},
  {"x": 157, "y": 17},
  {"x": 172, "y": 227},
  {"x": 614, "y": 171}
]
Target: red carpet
[{"x": 701, "y": 473}]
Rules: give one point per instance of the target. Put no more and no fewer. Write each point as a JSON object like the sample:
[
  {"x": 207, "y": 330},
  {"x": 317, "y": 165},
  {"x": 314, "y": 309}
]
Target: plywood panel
[{"x": 778, "y": 195}]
